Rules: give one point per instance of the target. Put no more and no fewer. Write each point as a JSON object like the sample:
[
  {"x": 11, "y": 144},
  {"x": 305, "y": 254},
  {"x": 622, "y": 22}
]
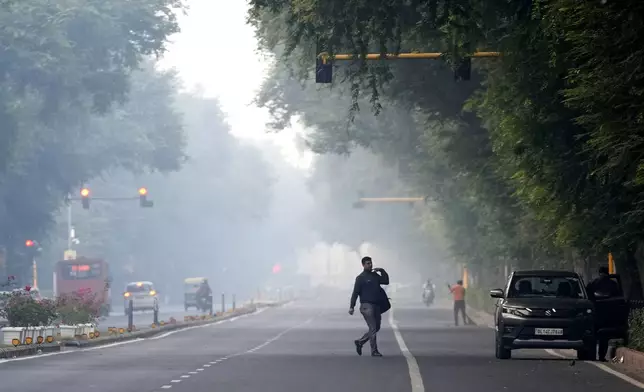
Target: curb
[
  {"x": 13, "y": 352},
  {"x": 23, "y": 351},
  {"x": 154, "y": 331},
  {"x": 146, "y": 333},
  {"x": 630, "y": 358}
]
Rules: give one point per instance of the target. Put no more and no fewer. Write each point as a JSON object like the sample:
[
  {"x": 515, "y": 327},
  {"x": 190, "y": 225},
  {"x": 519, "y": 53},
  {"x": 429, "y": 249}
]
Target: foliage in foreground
[{"x": 21, "y": 309}]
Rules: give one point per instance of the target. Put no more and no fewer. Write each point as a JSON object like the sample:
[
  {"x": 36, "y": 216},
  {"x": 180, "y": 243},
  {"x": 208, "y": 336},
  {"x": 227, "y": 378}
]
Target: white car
[{"x": 143, "y": 296}]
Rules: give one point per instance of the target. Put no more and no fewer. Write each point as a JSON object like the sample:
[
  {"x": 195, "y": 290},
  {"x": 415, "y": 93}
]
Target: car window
[
  {"x": 135, "y": 288},
  {"x": 546, "y": 286}
]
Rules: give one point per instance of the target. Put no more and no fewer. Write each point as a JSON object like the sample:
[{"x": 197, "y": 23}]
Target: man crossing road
[{"x": 367, "y": 287}]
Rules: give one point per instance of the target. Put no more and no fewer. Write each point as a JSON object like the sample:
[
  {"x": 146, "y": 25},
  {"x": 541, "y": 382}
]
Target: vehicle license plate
[
  {"x": 140, "y": 297},
  {"x": 548, "y": 331}
]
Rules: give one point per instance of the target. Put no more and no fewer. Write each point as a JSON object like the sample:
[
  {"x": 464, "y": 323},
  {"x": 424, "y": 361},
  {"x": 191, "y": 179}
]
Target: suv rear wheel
[{"x": 501, "y": 351}]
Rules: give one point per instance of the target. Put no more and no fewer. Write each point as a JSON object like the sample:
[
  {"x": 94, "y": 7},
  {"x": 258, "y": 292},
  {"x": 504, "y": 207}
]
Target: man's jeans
[
  {"x": 372, "y": 316},
  {"x": 459, "y": 307}
]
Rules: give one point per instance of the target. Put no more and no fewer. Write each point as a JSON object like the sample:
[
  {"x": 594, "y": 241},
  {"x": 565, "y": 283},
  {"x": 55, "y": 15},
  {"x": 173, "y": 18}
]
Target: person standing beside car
[{"x": 607, "y": 288}]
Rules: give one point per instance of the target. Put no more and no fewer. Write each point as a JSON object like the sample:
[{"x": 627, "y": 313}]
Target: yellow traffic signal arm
[
  {"x": 391, "y": 199},
  {"x": 390, "y": 56},
  {"x": 324, "y": 66}
]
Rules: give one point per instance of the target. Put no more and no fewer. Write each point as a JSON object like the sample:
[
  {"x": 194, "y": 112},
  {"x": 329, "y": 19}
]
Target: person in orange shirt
[{"x": 458, "y": 293}]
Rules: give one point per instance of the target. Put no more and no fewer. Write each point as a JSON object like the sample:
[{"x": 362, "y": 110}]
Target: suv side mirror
[{"x": 496, "y": 293}]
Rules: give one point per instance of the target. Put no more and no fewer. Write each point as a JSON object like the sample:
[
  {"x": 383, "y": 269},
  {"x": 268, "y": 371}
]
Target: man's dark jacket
[
  {"x": 367, "y": 287},
  {"x": 604, "y": 285}
]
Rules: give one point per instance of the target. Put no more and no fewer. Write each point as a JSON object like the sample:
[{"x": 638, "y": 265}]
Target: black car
[{"x": 544, "y": 309}]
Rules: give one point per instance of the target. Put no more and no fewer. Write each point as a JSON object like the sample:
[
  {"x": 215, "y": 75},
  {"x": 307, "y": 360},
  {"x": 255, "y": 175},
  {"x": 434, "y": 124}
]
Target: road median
[{"x": 21, "y": 351}]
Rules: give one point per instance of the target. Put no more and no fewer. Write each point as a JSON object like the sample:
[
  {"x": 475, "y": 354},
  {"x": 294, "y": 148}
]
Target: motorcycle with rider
[
  {"x": 204, "y": 297},
  {"x": 429, "y": 292}
]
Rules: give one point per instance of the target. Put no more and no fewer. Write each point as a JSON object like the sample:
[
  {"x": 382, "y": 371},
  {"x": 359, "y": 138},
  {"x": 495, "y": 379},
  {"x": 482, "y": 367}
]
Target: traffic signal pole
[
  {"x": 85, "y": 200},
  {"x": 69, "y": 222},
  {"x": 415, "y": 56},
  {"x": 324, "y": 62},
  {"x": 390, "y": 199},
  {"x": 362, "y": 200}
]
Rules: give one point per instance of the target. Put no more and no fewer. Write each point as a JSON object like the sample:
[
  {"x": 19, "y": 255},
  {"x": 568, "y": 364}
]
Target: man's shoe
[
  {"x": 358, "y": 347},
  {"x": 376, "y": 354}
]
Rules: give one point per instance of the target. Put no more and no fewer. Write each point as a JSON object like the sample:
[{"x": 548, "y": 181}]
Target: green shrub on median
[
  {"x": 22, "y": 310},
  {"x": 80, "y": 307}
]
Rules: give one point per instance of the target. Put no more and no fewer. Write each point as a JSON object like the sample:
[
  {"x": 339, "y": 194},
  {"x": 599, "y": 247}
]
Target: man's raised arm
[{"x": 384, "y": 276}]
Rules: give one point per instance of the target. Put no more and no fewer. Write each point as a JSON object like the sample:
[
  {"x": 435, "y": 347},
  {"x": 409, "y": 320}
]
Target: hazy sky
[{"x": 217, "y": 50}]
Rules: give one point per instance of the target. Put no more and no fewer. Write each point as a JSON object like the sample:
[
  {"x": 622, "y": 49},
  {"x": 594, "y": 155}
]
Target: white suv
[{"x": 143, "y": 296}]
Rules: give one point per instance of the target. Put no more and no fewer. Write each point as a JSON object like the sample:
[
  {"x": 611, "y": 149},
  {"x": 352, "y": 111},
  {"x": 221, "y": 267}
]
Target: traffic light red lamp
[
  {"x": 143, "y": 198},
  {"x": 85, "y": 197}
]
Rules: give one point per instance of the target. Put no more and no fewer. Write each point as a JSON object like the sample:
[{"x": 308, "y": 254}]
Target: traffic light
[
  {"x": 143, "y": 198},
  {"x": 29, "y": 243},
  {"x": 85, "y": 198},
  {"x": 464, "y": 69},
  {"x": 323, "y": 71}
]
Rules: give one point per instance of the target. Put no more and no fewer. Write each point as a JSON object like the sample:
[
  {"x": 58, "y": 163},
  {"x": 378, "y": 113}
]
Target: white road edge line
[
  {"x": 599, "y": 366},
  {"x": 603, "y": 367},
  {"x": 32, "y": 357},
  {"x": 414, "y": 371}
]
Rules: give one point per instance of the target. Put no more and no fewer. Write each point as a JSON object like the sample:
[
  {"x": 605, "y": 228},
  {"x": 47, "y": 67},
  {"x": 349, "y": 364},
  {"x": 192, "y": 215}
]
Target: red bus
[{"x": 82, "y": 274}]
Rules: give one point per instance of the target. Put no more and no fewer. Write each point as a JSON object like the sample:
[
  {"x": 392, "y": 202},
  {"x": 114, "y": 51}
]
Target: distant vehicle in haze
[
  {"x": 544, "y": 310},
  {"x": 84, "y": 274},
  {"x": 143, "y": 296},
  {"x": 429, "y": 293},
  {"x": 190, "y": 288}
]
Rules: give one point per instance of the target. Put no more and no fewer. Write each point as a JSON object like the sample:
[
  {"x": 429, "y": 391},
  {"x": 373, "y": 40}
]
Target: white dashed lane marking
[{"x": 252, "y": 350}]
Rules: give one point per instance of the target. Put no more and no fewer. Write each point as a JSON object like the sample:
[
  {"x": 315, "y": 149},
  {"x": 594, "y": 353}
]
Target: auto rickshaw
[{"x": 191, "y": 286}]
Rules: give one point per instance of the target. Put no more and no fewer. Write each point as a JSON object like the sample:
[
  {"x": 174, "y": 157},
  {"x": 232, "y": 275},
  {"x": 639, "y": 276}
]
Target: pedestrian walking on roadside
[
  {"x": 367, "y": 287},
  {"x": 608, "y": 288},
  {"x": 458, "y": 293}
]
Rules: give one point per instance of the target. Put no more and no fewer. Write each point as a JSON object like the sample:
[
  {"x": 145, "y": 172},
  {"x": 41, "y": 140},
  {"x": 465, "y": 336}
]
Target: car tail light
[{"x": 152, "y": 292}]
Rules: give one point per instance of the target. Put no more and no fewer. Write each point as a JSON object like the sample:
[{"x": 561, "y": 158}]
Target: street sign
[{"x": 70, "y": 254}]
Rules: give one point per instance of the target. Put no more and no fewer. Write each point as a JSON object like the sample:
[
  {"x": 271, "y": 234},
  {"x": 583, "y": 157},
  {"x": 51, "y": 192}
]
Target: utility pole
[{"x": 69, "y": 222}]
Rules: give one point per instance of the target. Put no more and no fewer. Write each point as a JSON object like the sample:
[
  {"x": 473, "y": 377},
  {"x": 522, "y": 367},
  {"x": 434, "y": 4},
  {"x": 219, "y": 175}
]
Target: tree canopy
[
  {"x": 72, "y": 77},
  {"x": 535, "y": 161}
]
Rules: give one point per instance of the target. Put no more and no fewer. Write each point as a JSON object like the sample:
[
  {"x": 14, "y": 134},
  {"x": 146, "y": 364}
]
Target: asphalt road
[{"x": 308, "y": 347}]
